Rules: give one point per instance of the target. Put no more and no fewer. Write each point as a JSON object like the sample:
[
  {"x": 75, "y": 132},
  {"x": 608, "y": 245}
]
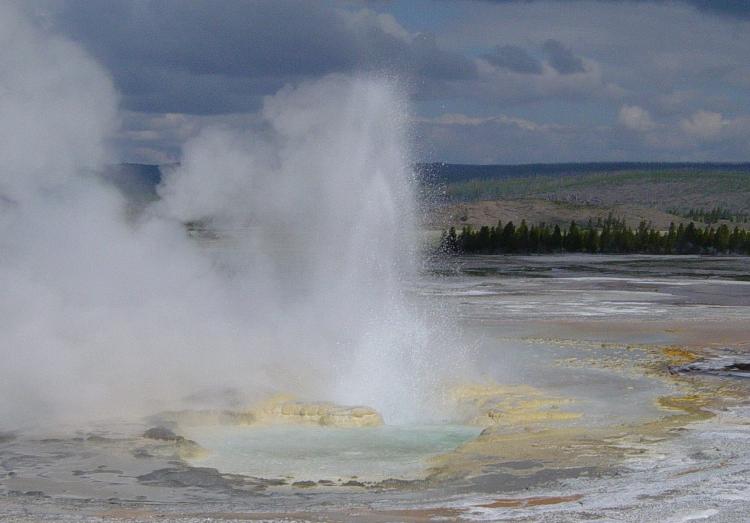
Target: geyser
[
  {"x": 318, "y": 212},
  {"x": 305, "y": 292}
]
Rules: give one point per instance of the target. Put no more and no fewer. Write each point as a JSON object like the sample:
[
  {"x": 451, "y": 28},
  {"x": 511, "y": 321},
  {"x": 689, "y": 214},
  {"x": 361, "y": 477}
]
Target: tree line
[
  {"x": 712, "y": 216},
  {"x": 605, "y": 236}
]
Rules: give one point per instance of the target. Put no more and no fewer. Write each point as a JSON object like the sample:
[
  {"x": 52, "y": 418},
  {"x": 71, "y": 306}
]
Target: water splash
[
  {"x": 320, "y": 208},
  {"x": 305, "y": 293}
]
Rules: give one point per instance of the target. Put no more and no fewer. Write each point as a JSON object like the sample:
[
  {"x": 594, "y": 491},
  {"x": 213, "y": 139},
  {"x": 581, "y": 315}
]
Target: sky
[{"x": 504, "y": 81}]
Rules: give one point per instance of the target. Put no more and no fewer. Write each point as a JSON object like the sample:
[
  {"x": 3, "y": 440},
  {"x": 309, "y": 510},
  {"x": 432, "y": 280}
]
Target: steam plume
[{"x": 304, "y": 292}]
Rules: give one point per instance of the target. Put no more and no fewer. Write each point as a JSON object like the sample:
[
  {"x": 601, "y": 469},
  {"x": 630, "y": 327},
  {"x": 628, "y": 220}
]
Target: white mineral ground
[{"x": 579, "y": 418}]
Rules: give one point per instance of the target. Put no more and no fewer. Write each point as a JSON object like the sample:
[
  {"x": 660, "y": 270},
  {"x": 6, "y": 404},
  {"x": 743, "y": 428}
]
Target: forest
[
  {"x": 608, "y": 236},
  {"x": 713, "y": 215}
]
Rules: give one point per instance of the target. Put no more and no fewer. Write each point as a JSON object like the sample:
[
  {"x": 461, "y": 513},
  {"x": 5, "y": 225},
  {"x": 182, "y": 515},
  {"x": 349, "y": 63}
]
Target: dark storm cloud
[
  {"x": 204, "y": 57},
  {"x": 431, "y": 62},
  {"x": 239, "y": 38},
  {"x": 739, "y": 8},
  {"x": 514, "y": 59},
  {"x": 736, "y": 8},
  {"x": 562, "y": 58},
  {"x": 648, "y": 78}
]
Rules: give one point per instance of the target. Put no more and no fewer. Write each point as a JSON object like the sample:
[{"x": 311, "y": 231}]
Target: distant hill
[
  {"x": 489, "y": 212},
  {"x": 557, "y": 193},
  {"x": 440, "y": 172}
]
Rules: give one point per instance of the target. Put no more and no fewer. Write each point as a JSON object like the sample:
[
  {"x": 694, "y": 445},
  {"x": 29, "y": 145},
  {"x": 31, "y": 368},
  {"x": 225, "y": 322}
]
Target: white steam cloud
[{"x": 102, "y": 314}]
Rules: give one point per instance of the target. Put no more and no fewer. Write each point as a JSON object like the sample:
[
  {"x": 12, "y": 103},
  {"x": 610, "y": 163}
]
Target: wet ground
[{"x": 584, "y": 407}]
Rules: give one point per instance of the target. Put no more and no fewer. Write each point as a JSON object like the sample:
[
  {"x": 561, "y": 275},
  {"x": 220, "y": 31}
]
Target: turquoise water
[{"x": 315, "y": 453}]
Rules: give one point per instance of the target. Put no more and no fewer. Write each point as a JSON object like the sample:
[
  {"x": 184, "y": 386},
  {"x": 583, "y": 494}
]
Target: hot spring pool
[{"x": 324, "y": 453}]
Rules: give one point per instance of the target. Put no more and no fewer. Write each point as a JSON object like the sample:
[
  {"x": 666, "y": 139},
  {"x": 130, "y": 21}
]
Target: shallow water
[
  {"x": 309, "y": 453},
  {"x": 593, "y": 287}
]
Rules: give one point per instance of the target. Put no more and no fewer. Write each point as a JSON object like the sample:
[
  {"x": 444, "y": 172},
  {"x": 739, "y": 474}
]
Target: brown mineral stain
[
  {"x": 695, "y": 405},
  {"x": 531, "y": 502},
  {"x": 679, "y": 355}
]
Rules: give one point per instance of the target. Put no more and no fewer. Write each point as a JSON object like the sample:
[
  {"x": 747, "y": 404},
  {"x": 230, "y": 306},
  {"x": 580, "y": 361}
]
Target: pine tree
[
  {"x": 573, "y": 241},
  {"x": 556, "y": 243}
]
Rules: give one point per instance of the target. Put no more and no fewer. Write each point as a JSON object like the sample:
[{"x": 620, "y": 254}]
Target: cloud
[
  {"x": 576, "y": 62},
  {"x": 167, "y": 57},
  {"x": 508, "y": 139},
  {"x": 464, "y": 120},
  {"x": 704, "y": 124},
  {"x": 500, "y": 87},
  {"x": 562, "y": 58},
  {"x": 704, "y": 136},
  {"x": 635, "y": 118},
  {"x": 513, "y": 58},
  {"x": 157, "y": 138}
]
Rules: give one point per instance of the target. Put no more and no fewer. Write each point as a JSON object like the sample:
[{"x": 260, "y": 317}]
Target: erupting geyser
[{"x": 304, "y": 292}]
